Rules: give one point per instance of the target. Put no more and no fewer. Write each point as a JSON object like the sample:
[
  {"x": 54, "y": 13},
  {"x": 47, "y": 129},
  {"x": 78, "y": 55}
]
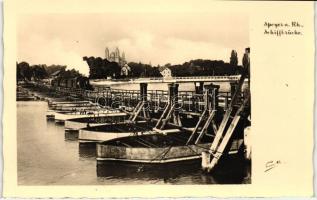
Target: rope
[{"x": 163, "y": 154}]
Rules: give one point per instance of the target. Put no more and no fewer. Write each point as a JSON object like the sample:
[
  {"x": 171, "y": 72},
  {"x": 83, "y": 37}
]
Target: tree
[
  {"x": 101, "y": 68},
  {"x": 143, "y": 70},
  {"x": 234, "y": 58},
  {"x": 202, "y": 67},
  {"x": 39, "y": 71},
  {"x": 53, "y": 68},
  {"x": 24, "y": 71},
  {"x": 70, "y": 74},
  {"x": 19, "y": 75}
]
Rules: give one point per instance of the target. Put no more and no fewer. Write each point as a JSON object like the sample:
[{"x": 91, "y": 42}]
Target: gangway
[
  {"x": 228, "y": 124},
  {"x": 141, "y": 106},
  {"x": 207, "y": 116},
  {"x": 171, "y": 112}
]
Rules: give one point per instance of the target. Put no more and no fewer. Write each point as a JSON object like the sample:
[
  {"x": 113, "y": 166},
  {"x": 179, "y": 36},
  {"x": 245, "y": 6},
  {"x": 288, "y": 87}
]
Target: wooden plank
[
  {"x": 196, "y": 127},
  {"x": 223, "y": 144},
  {"x": 163, "y": 115},
  {"x": 211, "y": 116},
  {"x": 168, "y": 116},
  {"x": 137, "y": 113},
  {"x": 227, "y": 136},
  {"x": 220, "y": 130},
  {"x": 227, "y": 115},
  {"x": 134, "y": 111},
  {"x": 147, "y": 142},
  {"x": 214, "y": 126},
  {"x": 125, "y": 144},
  {"x": 140, "y": 142}
]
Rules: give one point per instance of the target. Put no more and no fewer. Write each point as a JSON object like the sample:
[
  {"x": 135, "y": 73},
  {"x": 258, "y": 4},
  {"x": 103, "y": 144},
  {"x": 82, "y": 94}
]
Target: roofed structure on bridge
[{"x": 165, "y": 72}]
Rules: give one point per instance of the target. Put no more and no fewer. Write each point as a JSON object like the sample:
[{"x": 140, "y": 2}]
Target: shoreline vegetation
[
  {"x": 104, "y": 72},
  {"x": 138, "y": 70},
  {"x": 102, "y": 69}
]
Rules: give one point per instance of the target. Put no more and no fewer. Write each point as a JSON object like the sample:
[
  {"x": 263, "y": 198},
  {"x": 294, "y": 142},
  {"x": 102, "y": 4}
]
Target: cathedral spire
[
  {"x": 107, "y": 53},
  {"x": 117, "y": 52}
]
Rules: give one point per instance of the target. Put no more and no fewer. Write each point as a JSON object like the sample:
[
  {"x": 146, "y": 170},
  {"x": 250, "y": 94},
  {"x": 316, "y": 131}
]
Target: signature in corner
[{"x": 271, "y": 164}]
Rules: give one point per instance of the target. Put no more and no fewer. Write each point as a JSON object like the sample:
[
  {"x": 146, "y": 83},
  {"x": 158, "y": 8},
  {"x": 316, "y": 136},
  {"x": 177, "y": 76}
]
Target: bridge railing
[
  {"x": 232, "y": 77},
  {"x": 132, "y": 97},
  {"x": 227, "y": 77}
]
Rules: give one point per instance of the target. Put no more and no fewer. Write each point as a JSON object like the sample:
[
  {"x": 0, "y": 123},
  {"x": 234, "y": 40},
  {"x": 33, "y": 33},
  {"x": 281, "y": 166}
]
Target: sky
[{"x": 156, "y": 38}]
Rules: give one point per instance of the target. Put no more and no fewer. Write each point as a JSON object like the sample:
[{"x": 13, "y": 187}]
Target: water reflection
[
  {"x": 87, "y": 150},
  {"x": 168, "y": 173},
  {"x": 71, "y": 135},
  {"x": 175, "y": 173}
]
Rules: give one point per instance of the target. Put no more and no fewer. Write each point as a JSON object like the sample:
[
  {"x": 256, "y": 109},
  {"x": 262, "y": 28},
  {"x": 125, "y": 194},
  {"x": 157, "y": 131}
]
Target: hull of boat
[
  {"x": 150, "y": 155},
  {"x": 74, "y": 125},
  {"x": 62, "y": 117},
  {"x": 93, "y": 137},
  {"x": 156, "y": 149},
  {"x": 113, "y": 131},
  {"x": 55, "y": 105}
]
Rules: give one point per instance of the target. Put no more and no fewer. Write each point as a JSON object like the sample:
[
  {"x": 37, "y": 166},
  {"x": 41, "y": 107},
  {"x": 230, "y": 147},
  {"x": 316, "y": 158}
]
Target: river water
[{"x": 46, "y": 157}]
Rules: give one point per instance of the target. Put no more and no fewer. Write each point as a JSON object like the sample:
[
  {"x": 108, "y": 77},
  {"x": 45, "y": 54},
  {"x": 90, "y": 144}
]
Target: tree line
[
  {"x": 200, "y": 67},
  {"x": 101, "y": 68},
  {"x": 27, "y": 72}
]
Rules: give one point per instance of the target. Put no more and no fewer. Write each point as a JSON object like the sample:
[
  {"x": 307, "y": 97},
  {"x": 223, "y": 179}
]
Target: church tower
[
  {"x": 107, "y": 53},
  {"x": 123, "y": 56},
  {"x": 117, "y": 52},
  {"x": 116, "y": 55}
]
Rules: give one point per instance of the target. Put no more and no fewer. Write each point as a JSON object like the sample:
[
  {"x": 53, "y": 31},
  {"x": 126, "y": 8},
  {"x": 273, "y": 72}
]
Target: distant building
[
  {"x": 53, "y": 76},
  {"x": 56, "y": 73},
  {"x": 115, "y": 56},
  {"x": 75, "y": 82},
  {"x": 125, "y": 70},
  {"x": 165, "y": 72}
]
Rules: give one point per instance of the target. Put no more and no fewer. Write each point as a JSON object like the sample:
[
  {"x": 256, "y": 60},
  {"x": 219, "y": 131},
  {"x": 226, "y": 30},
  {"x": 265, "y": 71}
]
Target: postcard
[{"x": 153, "y": 99}]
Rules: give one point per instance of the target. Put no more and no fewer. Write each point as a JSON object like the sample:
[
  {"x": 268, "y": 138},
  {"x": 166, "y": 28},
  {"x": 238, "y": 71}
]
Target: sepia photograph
[
  {"x": 142, "y": 98},
  {"x": 120, "y": 99}
]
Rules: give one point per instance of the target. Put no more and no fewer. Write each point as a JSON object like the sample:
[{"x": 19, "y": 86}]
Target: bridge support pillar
[
  {"x": 143, "y": 96},
  {"x": 199, "y": 86},
  {"x": 143, "y": 91},
  {"x": 211, "y": 96},
  {"x": 173, "y": 100},
  {"x": 172, "y": 92},
  {"x": 233, "y": 87}
]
